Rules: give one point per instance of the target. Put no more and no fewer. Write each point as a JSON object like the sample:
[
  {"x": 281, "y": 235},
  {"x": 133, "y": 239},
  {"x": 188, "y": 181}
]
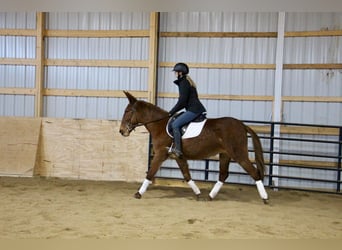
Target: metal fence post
[
  {"x": 206, "y": 174},
  {"x": 270, "y": 171},
  {"x": 339, "y": 167}
]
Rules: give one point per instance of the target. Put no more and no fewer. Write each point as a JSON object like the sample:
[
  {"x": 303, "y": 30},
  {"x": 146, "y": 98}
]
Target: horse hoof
[
  {"x": 209, "y": 198},
  {"x": 265, "y": 201},
  {"x": 137, "y": 195}
]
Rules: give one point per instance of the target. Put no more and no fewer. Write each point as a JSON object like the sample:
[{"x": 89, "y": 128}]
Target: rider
[{"x": 188, "y": 99}]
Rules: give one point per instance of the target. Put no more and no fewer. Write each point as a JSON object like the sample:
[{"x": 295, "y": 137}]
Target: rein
[{"x": 131, "y": 127}]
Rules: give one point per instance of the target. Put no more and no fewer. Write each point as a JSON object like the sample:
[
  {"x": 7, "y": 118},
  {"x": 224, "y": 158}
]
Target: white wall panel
[
  {"x": 218, "y": 21},
  {"x": 85, "y": 107},
  {"x": 95, "y": 78},
  {"x": 218, "y": 50},
  {"x": 313, "y": 113},
  {"x": 221, "y": 50},
  {"x": 17, "y": 46},
  {"x": 98, "y": 20},
  {"x": 17, "y": 20},
  {"x": 313, "y": 50},
  {"x": 312, "y": 83},
  {"x": 306, "y": 21},
  {"x": 17, "y": 76},
  {"x": 97, "y": 48},
  {"x": 320, "y": 83},
  {"x": 16, "y": 105}
]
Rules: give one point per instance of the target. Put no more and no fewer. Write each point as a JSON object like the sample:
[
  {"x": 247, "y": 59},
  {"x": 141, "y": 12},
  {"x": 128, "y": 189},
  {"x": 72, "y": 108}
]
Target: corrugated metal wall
[
  {"x": 297, "y": 50},
  {"x": 253, "y": 82},
  {"x": 205, "y": 50},
  {"x": 220, "y": 81},
  {"x": 17, "y": 76},
  {"x": 95, "y": 78},
  {"x": 222, "y": 50},
  {"x": 320, "y": 83}
]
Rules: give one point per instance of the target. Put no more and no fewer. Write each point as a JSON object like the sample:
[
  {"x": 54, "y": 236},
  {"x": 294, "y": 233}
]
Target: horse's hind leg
[
  {"x": 224, "y": 172},
  {"x": 184, "y": 167},
  {"x": 254, "y": 173}
]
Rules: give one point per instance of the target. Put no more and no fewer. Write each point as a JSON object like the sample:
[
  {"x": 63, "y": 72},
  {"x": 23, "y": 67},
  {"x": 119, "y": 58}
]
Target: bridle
[{"x": 130, "y": 126}]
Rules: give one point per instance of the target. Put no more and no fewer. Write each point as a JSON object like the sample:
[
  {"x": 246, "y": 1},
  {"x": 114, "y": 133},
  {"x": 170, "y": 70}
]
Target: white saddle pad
[{"x": 194, "y": 129}]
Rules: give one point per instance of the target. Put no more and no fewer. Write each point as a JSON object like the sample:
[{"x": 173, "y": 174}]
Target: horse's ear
[{"x": 131, "y": 98}]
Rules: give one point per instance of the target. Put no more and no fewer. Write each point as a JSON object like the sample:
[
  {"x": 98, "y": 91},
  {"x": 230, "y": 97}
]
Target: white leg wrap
[
  {"x": 261, "y": 190},
  {"x": 194, "y": 187},
  {"x": 215, "y": 189},
  {"x": 144, "y": 186}
]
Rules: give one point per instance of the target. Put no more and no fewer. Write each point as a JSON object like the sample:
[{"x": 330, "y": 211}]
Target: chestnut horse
[{"x": 225, "y": 136}]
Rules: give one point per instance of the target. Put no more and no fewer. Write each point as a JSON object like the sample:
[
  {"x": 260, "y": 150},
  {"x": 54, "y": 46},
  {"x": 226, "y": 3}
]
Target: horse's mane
[{"x": 150, "y": 106}]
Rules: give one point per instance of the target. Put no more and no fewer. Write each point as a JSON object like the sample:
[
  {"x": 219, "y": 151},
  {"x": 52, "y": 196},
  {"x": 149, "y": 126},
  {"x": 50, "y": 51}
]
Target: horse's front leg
[
  {"x": 184, "y": 167},
  {"x": 157, "y": 160}
]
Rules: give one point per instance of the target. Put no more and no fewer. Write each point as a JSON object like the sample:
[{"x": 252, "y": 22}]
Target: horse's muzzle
[{"x": 124, "y": 132}]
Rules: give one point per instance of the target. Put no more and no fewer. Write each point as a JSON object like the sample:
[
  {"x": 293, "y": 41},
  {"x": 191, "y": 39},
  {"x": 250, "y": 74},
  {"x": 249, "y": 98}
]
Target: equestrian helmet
[{"x": 181, "y": 67}]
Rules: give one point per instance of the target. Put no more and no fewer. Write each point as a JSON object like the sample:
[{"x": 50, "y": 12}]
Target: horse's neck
[
  {"x": 152, "y": 117},
  {"x": 152, "y": 112},
  {"x": 155, "y": 119}
]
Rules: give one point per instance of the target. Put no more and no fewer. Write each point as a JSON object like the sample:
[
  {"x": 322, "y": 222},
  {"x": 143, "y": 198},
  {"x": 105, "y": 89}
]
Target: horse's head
[
  {"x": 140, "y": 113},
  {"x": 129, "y": 119}
]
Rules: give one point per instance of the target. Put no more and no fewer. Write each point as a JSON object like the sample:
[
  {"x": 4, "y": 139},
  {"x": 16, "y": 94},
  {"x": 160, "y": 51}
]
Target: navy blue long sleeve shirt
[{"x": 188, "y": 98}]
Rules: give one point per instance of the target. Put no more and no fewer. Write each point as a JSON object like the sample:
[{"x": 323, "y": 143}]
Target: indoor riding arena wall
[
  {"x": 66, "y": 72},
  {"x": 62, "y": 77}
]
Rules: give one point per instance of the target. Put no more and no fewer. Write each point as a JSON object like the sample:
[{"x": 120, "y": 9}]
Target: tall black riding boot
[{"x": 177, "y": 138}]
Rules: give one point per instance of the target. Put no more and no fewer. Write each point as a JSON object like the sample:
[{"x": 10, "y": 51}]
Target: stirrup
[{"x": 175, "y": 153}]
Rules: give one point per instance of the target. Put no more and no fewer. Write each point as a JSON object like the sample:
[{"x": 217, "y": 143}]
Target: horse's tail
[{"x": 259, "y": 157}]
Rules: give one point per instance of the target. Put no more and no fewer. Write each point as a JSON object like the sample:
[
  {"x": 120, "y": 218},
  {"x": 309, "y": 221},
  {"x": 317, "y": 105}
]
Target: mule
[{"x": 225, "y": 136}]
